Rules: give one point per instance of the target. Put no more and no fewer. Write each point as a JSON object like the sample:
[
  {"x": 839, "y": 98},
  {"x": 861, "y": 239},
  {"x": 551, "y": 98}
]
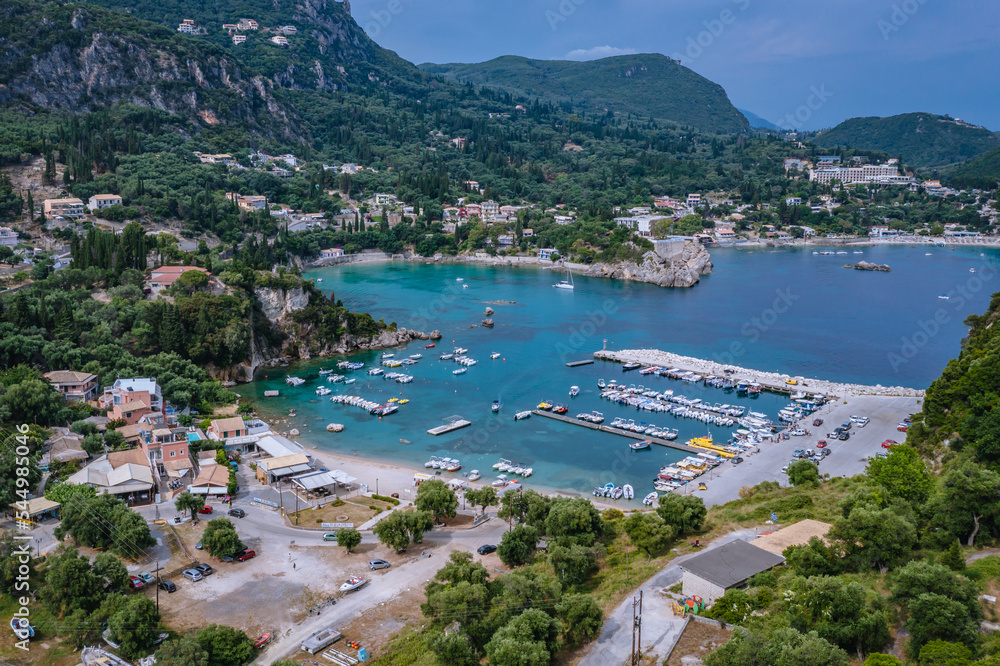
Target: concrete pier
[{"x": 634, "y": 436}]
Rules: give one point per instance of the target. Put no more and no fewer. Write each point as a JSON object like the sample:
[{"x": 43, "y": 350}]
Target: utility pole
[
  {"x": 636, "y": 630},
  {"x": 157, "y": 586}
]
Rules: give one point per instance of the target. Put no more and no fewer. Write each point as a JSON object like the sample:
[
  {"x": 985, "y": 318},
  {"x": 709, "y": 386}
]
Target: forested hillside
[
  {"x": 648, "y": 85},
  {"x": 919, "y": 139}
]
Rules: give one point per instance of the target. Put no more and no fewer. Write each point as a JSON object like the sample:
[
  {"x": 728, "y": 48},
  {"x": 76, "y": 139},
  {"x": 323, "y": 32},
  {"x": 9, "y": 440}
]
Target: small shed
[{"x": 711, "y": 573}]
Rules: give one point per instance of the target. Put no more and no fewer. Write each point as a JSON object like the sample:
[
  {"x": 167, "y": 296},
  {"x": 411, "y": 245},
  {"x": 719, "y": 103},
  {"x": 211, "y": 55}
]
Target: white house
[
  {"x": 102, "y": 201},
  {"x": 8, "y": 237},
  {"x": 546, "y": 253}
]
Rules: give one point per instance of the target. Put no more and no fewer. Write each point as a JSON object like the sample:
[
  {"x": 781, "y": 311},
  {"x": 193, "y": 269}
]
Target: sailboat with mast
[{"x": 565, "y": 284}]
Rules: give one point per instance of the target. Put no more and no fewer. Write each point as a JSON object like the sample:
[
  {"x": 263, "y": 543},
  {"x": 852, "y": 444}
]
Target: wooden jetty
[
  {"x": 634, "y": 436},
  {"x": 449, "y": 427},
  {"x": 575, "y": 364}
]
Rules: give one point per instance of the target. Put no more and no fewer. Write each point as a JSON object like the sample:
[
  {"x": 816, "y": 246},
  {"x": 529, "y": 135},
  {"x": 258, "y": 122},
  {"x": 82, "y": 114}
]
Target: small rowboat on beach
[{"x": 262, "y": 640}]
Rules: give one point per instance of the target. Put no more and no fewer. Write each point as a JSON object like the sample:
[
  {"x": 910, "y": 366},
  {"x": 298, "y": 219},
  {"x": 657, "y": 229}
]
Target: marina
[{"x": 613, "y": 431}]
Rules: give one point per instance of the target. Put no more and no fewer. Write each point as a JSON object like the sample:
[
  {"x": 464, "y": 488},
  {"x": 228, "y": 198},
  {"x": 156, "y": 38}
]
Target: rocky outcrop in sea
[
  {"x": 868, "y": 266},
  {"x": 674, "y": 263}
]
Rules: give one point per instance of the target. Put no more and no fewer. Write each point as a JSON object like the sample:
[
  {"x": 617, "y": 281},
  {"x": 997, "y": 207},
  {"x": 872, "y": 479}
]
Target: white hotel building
[{"x": 877, "y": 174}]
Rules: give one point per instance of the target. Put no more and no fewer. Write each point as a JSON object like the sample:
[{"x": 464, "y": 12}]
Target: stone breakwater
[
  {"x": 770, "y": 380},
  {"x": 868, "y": 266}
]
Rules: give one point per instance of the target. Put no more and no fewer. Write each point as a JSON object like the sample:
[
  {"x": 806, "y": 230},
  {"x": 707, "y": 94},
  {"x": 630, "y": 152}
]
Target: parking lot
[{"x": 847, "y": 458}]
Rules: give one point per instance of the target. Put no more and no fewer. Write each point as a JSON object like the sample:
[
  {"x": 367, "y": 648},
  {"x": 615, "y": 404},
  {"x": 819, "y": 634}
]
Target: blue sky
[{"x": 870, "y": 57}]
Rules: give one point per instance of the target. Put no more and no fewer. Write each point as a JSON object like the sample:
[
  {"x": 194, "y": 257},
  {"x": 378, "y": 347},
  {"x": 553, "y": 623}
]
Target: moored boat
[
  {"x": 628, "y": 492},
  {"x": 496, "y": 406},
  {"x": 574, "y": 390},
  {"x": 651, "y": 498},
  {"x": 520, "y": 416},
  {"x": 352, "y": 584},
  {"x": 639, "y": 446}
]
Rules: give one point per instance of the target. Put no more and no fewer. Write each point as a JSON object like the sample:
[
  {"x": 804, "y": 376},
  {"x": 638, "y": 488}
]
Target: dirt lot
[
  {"x": 262, "y": 594},
  {"x": 697, "y": 641}
]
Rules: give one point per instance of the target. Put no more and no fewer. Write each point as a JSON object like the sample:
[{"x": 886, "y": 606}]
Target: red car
[
  {"x": 821, "y": 444},
  {"x": 205, "y": 509},
  {"x": 245, "y": 555},
  {"x": 817, "y": 422},
  {"x": 136, "y": 583},
  {"x": 889, "y": 443},
  {"x": 903, "y": 427}
]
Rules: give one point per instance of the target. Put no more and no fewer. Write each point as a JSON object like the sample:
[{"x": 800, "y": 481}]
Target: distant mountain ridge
[
  {"x": 648, "y": 85},
  {"x": 757, "y": 121},
  {"x": 920, "y": 139}
]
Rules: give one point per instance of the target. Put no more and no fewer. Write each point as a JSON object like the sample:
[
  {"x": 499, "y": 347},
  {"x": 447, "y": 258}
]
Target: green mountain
[
  {"x": 920, "y": 139},
  {"x": 982, "y": 172},
  {"x": 648, "y": 85}
]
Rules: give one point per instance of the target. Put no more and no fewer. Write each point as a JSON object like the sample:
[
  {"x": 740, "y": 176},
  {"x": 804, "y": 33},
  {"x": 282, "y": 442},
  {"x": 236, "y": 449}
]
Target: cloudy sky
[{"x": 869, "y": 57}]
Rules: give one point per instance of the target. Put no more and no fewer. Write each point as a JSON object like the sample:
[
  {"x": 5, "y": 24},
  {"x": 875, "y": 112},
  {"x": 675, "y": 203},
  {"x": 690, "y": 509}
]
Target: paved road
[{"x": 660, "y": 627}]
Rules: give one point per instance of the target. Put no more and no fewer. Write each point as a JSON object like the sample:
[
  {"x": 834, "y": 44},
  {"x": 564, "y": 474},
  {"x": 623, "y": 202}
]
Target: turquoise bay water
[{"x": 774, "y": 310}]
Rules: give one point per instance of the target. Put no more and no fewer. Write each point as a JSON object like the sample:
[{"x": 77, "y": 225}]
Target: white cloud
[{"x": 598, "y": 52}]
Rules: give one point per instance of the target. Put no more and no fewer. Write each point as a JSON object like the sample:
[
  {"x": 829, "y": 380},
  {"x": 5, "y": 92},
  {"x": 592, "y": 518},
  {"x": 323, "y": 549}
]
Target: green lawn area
[{"x": 357, "y": 511}]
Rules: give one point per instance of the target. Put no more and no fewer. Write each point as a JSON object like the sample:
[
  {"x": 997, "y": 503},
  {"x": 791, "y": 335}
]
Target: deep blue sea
[{"x": 782, "y": 310}]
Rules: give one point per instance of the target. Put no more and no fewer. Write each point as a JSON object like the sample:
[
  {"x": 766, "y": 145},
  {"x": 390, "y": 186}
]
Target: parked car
[
  {"x": 825, "y": 452},
  {"x": 486, "y": 549},
  {"x": 192, "y": 575},
  {"x": 330, "y": 536},
  {"x": 903, "y": 427},
  {"x": 245, "y": 555},
  {"x": 204, "y": 569},
  {"x": 737, "y": 460},
  {"x": 146, "y": 577},
  {"x": 239, "y": 513},
  {"x": 889, "y": 443},
  {"x": 135, "y": 583},
  {"x": 205, "y": 509},
  {"x": 377, "y": 564},
  {"x": 168, "y": 586},
  {"x": 199, "y": 546},
  {"x": 821, "y": 444},
  {"x": 817, "y": 422},
  {"x": 844, "y": 436}
]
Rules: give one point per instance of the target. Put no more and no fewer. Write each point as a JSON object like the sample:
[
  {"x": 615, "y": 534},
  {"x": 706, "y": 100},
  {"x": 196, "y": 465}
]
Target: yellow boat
[{"x": 403, "y": 401}]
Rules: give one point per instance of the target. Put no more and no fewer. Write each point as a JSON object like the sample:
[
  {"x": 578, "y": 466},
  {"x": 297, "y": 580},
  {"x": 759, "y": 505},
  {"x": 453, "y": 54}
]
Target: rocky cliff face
[
  {"x": 682, "y": 265},
  {"x": 301, "y": 342}
]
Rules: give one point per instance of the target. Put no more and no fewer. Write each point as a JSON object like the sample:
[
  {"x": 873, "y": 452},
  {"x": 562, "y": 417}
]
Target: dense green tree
[
  {"x": 225, "y": 646},
  {"x": 348, "y": 538},
  {"x": 841, "y": 612},
  {"x": 183, "y": 651},
  {"x": 581, "y": 618},
  {"x": 803, "y": 473},
  {"x": 814, "y": 559},
  {"x": 530, "y": 638},
  {"x": 878, "y": 659},
  {"x": 437, "y": 498},
  {"x": 936, "y": 617},
  {"x": 31, "y": 401},
  {"x": 574, "y": 564},
  {"x": 953, "y": 557},
  {"x": 483, "y": 497},
  {"x": 105, "y": 521},
  {"x": 220, "y": 538},
  {"x": 648, "y": 532},
  {"x": 17, "y": 566},
  {"x": 875, "y": 539},
  {"x": 573, "y": 519},
  {"x": 19, "y": 474},
  {"x": 778, "y": 647},
  {"x": 110, "y": 572},
  {"x": 187, "y": 501},
  {"x": 968, "y": 501},
  {"x": 903, "y": 474},
  {"x": 943, "y": 653},
  {"x": 685, "y": 513},
  {"x": 518, "y": 546},
  {"x": 135, "y": 626},
  {"x": 454, "y": 648},
  {"x": 393, "y": 532}
]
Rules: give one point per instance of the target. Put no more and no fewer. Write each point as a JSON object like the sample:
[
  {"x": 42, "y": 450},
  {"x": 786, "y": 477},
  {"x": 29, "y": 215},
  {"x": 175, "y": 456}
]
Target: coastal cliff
[
  {"x": 673, "y": 263},
  {"x": 299, "y": 323}
]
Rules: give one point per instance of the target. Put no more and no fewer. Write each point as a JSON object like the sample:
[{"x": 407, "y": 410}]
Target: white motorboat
[
  {"x": 416, "y": 356},
  {"x": 387, "y": 355},
  {"x": 628, "y": 492},
  {"x": 375, "y": 372},
  {"x": 495, "y": 355},
  {"x": 459, "y": 280},
  {"x": 465, "y": 286},
  {"x": 323, "y": 373},
  {"x": 474, "y": 475},
  {"x": 352, "y": 584},
  {"x": 574, "y": 390},
  {"x": 295, "y": 381},
  {"x": 460, "y": 371},
  {"x": 322, "y": 390},
  {"x": 520, "y": 416},
  {"x": 350, "y": 381},
  {"x": 651, "y": 498}
]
